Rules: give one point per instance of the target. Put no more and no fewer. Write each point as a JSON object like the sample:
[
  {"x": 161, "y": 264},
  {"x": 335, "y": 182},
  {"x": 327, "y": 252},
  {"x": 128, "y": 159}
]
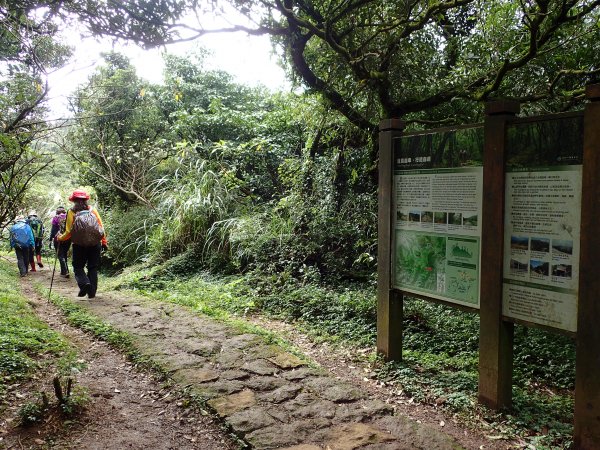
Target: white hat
[
  {"x": 32, "y": 213},
  {"x": 19, "y": 217}
]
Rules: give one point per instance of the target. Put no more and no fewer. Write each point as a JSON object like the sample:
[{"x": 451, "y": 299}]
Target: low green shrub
[
  {"x": 25, "y": 341},
  {"x": 33, "y": 411},
  {"x": 128, "y": 230}
]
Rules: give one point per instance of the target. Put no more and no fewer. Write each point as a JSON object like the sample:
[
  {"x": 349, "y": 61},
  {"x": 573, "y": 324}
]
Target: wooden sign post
[
  {"x": 536, "y": 232},
  {"x": 587, "y": 368},
  {"x": 495, "y": 335},
  {"x": 389, "y": 302}
]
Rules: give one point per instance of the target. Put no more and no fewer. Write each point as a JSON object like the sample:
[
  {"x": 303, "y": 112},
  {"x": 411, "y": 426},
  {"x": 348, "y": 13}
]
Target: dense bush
[{"x": 128, "y": 231}]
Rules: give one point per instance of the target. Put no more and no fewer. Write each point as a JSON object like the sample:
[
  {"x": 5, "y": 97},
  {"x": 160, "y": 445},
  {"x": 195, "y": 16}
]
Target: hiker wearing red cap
[
  {"x": 79, "y": 194},
  {"x": 85, "y": 230}
]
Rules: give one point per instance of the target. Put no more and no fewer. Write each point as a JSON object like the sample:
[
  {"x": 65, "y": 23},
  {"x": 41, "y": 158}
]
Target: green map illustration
[
  {"x": 420, "y": 258},
  {"x": 443, "y": 265}
]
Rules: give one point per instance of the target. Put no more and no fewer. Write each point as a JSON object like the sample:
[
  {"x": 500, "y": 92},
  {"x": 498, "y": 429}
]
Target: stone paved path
[{"x": 271, "y": 398}]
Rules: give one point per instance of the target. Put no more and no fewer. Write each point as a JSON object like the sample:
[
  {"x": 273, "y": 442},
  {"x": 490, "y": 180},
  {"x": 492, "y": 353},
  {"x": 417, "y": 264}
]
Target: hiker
[
  {"x": 37, "y": 228},
  {"x": 21, "y": 239},
  {"x": 85, "y": 230},
  {"x": 61, "y": 248}
]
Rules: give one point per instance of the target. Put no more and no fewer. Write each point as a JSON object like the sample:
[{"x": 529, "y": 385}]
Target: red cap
[{"x": 79, "y": 193}]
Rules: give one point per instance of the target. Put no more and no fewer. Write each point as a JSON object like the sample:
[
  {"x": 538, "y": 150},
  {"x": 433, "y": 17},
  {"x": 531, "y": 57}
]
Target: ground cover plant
[
  {"x": 440, "y": 346},
  {"x": 29, "y": 347}
]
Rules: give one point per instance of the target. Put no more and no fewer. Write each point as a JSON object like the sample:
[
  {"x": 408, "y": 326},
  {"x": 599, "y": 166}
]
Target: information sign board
[
  {"x": 438, "y": 182},
  {"x": 542, "y": 224}
]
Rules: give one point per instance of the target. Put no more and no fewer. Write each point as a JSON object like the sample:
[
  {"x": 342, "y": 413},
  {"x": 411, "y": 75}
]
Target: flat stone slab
[
  {"x": 286, "y": 360},
  {"x": 356, "y": 435},
  {"x": 179, "y": 360},
  {"x": 192, "y": 375},
  {"x": 202, "y": 348},
  {"x": 250, "y": 419},
  {"x": 334, "y": 390},
  {"x": 234, "y": 375},
  {"x": 222, "y": 387},
  {"x": 319, "y": 408},
  {"x": 362, "y": 410},
  {"x": 281, "y": 394},
  {"x": 225, "y": 406},
  {"x": 260, "y": 367},
  {"x": 298, "y": 374},
  {"x": 279, "y": 414},
  {"x": 263, "y": 383},
  {"x": 415, "y": 434},
  {"x": 242, "y": 341},
  {"x": 303, "y": 447},
  {"x": 302, "y": 399},
  {"x": 286, "y": 435},
  {"x": 230, "y": 359}
]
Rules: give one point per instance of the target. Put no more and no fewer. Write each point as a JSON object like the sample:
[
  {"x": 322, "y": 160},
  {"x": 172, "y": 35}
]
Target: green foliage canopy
[
  {"x": 422, "y": 60},
  {"x": 28, "y": 50},
  {"x": 119, "y": 135}
]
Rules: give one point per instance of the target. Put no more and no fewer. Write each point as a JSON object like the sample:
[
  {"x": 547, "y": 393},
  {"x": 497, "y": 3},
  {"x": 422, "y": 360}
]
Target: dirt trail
[
  {"x": 128, "y": 409},
  {"x": 269, "y": 397}
]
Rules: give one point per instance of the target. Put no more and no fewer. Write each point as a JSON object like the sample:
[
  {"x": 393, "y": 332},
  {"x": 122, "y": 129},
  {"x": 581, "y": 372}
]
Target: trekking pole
[{"x": 54, "y": 268}]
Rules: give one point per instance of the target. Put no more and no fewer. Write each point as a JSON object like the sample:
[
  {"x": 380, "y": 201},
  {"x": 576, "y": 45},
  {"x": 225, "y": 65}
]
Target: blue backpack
[{"x": 20, "y": 235}]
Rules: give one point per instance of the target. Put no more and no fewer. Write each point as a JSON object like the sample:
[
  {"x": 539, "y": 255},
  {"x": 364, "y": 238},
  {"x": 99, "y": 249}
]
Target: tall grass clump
[
  {"x": 200, "y": 196},
  {"x": 129, "y": 231},
  {"x": 252, "y": 237}
]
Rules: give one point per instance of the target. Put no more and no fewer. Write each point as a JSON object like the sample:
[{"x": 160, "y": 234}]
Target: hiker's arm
[
  {"x": 104, "y": 242},
  {"x": 69, "y": 223},
  {"x": 53, "y": 230}
]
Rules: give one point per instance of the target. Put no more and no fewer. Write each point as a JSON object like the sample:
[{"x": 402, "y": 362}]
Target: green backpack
[{"x": 37, "y": 227}]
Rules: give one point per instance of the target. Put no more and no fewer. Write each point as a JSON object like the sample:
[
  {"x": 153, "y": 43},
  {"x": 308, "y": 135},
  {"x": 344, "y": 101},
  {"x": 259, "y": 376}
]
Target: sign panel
[
  {"x": 438, "y": 183},
  {"x": 542, "y": 225}
]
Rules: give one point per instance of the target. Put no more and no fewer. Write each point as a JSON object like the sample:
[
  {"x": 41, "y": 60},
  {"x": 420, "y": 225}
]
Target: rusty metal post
[
  {"x": 496, "y": 336},
  {"x": 389, "y": 303},
  {"x": 587, "y": 367}
]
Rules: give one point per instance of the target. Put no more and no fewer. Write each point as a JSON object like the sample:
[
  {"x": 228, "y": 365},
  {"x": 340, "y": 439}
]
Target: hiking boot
[
  {"x": 84, "y": 290},
  {"x": 39, "y": 261},
  {"x": 64, "y": 275}
]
